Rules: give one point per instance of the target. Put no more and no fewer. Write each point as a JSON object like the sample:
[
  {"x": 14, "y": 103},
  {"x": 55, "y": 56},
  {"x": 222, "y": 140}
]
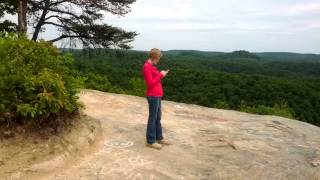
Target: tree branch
[
  {"x": 63, "y": 12},
  {"x": 53, "y": 16},
  {"x": 54, "y": 24},
  {"x": 58, "y": 2},
  {"x": 62, "y": 37}
]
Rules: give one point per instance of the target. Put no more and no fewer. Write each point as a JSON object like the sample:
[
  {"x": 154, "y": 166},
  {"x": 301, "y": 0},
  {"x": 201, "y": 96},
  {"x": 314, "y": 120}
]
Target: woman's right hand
[{"x": 164, "y": 73}]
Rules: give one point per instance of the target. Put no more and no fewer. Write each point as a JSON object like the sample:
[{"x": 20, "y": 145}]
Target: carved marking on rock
[{"x": 118, "y": 144}]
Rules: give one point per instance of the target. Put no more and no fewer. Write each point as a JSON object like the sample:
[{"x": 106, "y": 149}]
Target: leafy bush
[
  {"x": 281, "y": 109},
  {"x": 221, "y": 104},
  {"x": 138, "y": 87},
  {"x": 36, "y": 80},
  {"x": 96, "y": 81}
]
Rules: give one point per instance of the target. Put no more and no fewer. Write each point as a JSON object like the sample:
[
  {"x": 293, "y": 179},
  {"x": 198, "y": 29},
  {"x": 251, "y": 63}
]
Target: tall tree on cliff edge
[
  {"x": 22, "y": 16},
  {"x": 76, "y": 20}
]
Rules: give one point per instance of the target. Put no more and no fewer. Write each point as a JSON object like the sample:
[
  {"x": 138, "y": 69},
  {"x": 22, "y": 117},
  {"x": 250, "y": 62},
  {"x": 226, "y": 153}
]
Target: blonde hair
[{"x": 154, "y": 53}]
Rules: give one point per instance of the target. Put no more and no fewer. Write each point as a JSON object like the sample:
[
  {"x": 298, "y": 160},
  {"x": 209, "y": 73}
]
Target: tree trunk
[
  {"x": 22, "y": 16},
  {"x": 41, "y": 21}
]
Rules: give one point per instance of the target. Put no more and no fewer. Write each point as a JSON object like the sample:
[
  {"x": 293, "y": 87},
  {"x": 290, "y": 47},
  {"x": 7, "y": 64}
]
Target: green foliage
[
  {"x": 138, "y": 86},
  {"x": 221, "y": 104},
  {"x": 8, "y": 6},
  {"x": 36, "y": 80},
  {"x": 240, "y": 54},
  {"x": 278, "y": 109},
  {"x": 7, "y": 27},
  {"x": 97, "y": 81}
]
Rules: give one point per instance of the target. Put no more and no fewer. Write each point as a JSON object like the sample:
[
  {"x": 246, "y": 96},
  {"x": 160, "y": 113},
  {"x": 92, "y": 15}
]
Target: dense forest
[{"x": 283, "y": 84}]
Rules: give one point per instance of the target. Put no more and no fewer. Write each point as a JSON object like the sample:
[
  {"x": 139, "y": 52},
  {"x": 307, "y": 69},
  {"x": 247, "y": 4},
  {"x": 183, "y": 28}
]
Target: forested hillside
[{"x": 263, "y": 83}]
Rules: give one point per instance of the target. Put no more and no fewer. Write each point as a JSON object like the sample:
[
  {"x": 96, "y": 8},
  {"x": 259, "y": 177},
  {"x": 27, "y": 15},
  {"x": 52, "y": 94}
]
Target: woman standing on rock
[{"x": 154, "y": 93}]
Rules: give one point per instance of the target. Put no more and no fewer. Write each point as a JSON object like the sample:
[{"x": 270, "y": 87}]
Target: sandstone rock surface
[{"x": 207, "y": 144}]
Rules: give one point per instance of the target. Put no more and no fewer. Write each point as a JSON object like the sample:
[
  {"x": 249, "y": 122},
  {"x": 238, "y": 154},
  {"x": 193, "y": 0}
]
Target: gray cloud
[{"x": 264, "y": 25}]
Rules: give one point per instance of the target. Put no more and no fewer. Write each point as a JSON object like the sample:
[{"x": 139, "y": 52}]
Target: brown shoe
[
  {"x": 154, "y": 145},
  {"x": 164, "y": 142}
]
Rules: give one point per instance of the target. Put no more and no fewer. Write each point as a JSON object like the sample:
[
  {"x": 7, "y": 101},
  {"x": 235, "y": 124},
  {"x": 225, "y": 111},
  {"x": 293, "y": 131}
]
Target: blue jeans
[{"x": 154, "y": 129}]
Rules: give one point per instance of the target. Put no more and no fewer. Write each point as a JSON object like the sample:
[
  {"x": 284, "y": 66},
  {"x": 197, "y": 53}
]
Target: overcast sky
[{"x": 211, "y": 25}]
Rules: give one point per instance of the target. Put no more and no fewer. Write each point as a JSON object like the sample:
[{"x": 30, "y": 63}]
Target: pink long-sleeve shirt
[{"x": 152, "y": 79}]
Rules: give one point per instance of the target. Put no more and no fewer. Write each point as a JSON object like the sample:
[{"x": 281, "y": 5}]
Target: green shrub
[
  {"x": 97, "y": 81},
  {"x": 138, "y": 87},
  {"x": 221, "y": 104},
  {"x": 281, "y": 109},
  {"x": 36, "y": 80}
]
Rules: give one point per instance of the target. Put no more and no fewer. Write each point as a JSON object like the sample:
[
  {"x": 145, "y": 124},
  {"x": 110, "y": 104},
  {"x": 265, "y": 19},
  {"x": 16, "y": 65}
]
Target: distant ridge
[
  {"x": 262, "y": 55},
  {"x": 288, "y": 56}
]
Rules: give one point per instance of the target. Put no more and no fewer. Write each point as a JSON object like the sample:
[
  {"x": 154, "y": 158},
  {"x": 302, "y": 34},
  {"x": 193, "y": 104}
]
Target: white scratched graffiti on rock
[
  {"x": 118, "y": 144},
  {"x": 126, "y": 165}
]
